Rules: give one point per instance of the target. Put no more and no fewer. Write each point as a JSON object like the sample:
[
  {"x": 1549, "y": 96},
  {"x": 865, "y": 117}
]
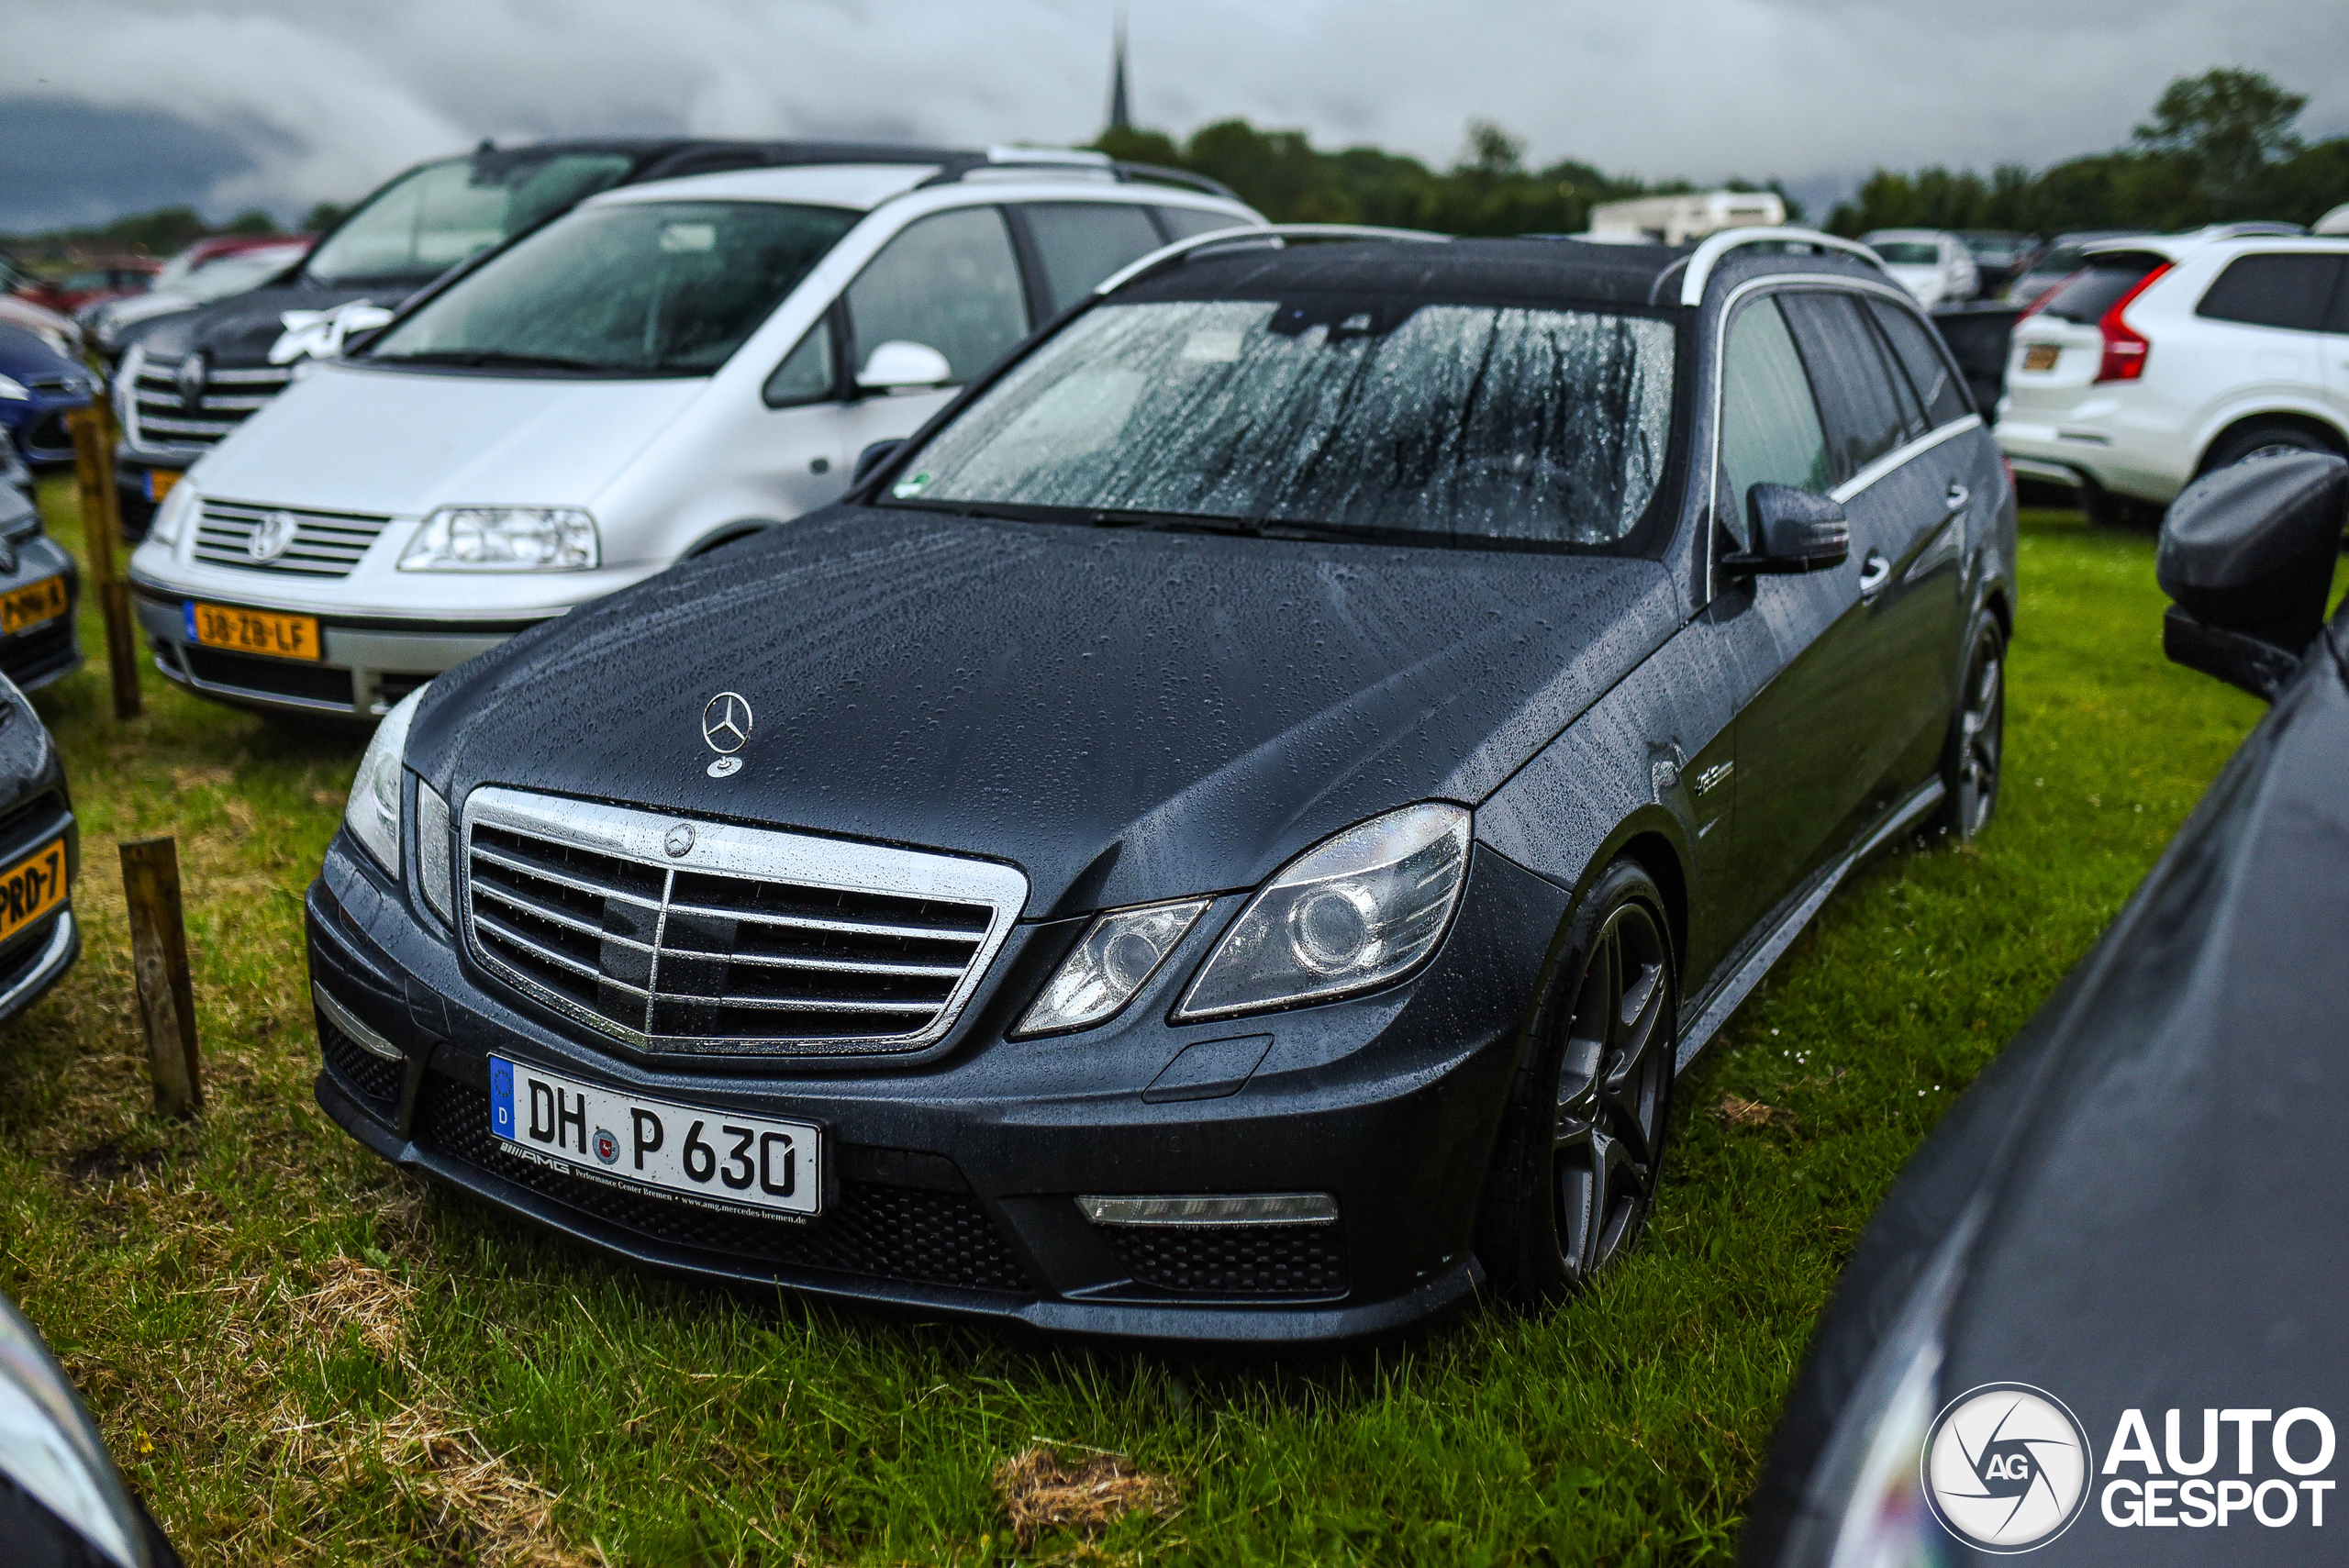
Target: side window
[
  {"x": 951, "y": 280},
  {"x": 1856, "y": 396},
  {"x": 1918, "y": 347},
  {"x": 1770, "y": 430},
  {"x": 806, "y": 374},
  {"x": 1182, "y": 222},
  {"x": 2285, "y": 290},
  {"x": 1082, "y": 242}
]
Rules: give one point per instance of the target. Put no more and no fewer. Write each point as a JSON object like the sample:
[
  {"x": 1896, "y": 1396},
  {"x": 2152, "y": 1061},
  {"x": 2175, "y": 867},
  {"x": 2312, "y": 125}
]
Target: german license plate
[
  {"x": 2041, "y": 356},
  {"x": 32, "y": 887},
  {"x": 715, "y": 1159},
  {"x": 158, "y": 483},
  {"x": 31, "y": 605},
  {"x": 254, "y": 631}
]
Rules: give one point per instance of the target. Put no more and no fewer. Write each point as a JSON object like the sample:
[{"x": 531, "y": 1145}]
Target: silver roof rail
[
  {"x": 1709, "y": 254},
  {"x": 1278, "y": 233}
]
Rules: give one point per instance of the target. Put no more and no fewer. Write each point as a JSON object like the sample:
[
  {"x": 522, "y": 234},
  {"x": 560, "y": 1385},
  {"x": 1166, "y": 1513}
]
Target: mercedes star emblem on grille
[
  {"x": 194, "y": 375},
  {"x": 679, "y": 841},
  {"x": 271, "y": 535},
  {"x": 726, "y": 724}
]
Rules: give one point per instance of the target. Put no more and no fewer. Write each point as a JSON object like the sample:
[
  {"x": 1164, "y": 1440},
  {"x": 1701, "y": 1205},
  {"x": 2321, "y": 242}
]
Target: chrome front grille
[
  {"x": 745, "y": 941},
  {"x": 326, "y": 544},
  {"x": 160, "y": 414}
]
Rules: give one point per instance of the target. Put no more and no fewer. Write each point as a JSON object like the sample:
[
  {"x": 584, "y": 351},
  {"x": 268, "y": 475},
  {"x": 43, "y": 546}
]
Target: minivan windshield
[
  {"x": 420, "y": 226},
  {"x": 1377, "y": 415},
  {"x": 631, "y": 288}
]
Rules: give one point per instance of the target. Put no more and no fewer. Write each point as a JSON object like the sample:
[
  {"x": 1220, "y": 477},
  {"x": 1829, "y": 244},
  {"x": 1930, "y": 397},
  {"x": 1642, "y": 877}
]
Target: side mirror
[
  {"x": 2247, "y": 557},
  {"x": 1793, "y": 529},
  {"x": 871, "y": 457},
  {"x": 900, "y": 366}
]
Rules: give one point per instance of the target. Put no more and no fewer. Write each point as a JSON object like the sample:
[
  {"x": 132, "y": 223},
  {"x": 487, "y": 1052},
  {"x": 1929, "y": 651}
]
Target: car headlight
[
  {"x": 1361, "y": 909},
  {"x": 1119, "y": 952},
  {"x": 434, "y": 850},
  {"x": 10, "y": 387},
  {"x": 504, "y": 538},
  {"x": 1865, "y": 1505},
  {"x": 54, "y": 1452},
  {"x": 180, "y": 502},
  {"x": 374, "y": 812}
]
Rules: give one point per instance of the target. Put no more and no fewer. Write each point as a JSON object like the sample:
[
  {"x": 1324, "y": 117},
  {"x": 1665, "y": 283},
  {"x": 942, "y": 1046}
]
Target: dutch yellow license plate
[
  {"x": 158, "y": 483},
  {"x": 31, "y": 605},
  {"x": 2041, "y": 357},
  {"x": 32, "y": 887},
  {"x": 254, "y": 631}
]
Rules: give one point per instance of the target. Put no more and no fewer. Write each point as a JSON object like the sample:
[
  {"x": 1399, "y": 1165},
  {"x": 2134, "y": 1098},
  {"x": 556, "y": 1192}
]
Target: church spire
[{"x": 1119, "y": 119}]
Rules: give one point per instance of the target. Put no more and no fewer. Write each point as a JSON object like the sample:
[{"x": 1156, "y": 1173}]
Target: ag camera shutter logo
[{"x": 2007, "y": 1467}]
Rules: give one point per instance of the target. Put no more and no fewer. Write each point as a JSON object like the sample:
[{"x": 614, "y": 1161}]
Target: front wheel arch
[{"x": 2220, "y": 449}]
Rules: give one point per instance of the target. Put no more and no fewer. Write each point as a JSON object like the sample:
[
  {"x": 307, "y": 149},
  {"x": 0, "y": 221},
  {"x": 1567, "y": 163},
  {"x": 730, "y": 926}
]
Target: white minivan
[{"x": 665, "y": 368}]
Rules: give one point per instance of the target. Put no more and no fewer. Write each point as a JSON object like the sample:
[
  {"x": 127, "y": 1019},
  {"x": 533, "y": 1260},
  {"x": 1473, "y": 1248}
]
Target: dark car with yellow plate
[
  {"x": 39, "y": 586},
  {"x": 40, "y": 856}
]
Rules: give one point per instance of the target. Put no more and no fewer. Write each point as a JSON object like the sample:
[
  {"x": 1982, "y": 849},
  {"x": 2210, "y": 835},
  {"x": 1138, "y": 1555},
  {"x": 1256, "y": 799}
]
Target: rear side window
[
  {"x": 2289, "y": 290},
  {"x": 1182, "y": 222},
  {"x": 950, "y": 282},
  {"x": 2087, "y": 294},
  {"x": 1918, "y": 348},
  {"x": 1082, "y": 242},
  {"x": 1770, "y": 429},
  {"x": 1864, "y": 410}
]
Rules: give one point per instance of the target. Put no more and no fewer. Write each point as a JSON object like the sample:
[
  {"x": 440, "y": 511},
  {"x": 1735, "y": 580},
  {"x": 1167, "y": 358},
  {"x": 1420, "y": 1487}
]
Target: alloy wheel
[
  {"x": 1614, "y": 1087},
  {"x": 1981, "y": 736}
]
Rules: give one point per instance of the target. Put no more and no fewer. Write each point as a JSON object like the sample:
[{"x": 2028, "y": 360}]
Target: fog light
[{"x": 1234, "y": 1209}]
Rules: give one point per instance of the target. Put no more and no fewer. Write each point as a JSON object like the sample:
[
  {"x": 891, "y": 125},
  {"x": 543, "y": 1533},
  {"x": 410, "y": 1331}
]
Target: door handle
[
  {"x": 1874, "y": 573},
  {"x": 1958, "y": 497}
]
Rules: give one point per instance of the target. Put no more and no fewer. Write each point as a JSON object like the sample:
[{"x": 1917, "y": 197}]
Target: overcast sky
[{"x": 109, "y": 107}]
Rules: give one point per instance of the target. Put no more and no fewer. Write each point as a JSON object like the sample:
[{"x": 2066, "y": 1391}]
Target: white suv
[
  {"x": 665, "y": 367},
  {"x": 2165, "y": 357}
]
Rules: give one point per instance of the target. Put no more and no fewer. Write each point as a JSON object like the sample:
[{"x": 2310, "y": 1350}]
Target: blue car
[{"x": 38, "y": 387}]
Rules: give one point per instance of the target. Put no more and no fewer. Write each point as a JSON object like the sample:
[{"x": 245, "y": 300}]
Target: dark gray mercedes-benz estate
[{"x": 1231, "y": 832}]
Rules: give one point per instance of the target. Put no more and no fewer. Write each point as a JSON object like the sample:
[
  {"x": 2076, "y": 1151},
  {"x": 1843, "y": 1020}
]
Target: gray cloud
[{"x": 298, "y": 100}]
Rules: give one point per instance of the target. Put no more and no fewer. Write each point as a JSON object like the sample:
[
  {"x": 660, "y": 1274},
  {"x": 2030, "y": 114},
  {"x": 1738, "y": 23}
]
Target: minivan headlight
[
  {"x": 1359, "y": 910},
  {"x": 373, "y": 814},
  {"x": 180, "y": 502},
  {"x": 504, "y": 538}
]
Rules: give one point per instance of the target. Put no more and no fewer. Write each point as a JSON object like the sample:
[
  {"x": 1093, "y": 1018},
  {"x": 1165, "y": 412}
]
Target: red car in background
[{"x": 132, "y": 274}]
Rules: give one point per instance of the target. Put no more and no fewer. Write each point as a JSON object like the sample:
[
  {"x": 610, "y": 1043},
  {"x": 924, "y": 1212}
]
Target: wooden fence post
[
  {"x": 150, "y": 879},
  {"x": 102, "y": 535}
]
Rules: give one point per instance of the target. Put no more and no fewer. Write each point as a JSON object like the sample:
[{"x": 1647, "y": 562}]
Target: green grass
[{"x": 299, "y": 1354}]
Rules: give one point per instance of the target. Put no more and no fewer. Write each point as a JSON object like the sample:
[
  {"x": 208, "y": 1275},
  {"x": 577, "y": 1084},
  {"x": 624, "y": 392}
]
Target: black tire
[
  {"x": 1973, "y": 755},
  {"x": 1583, "y": 1140},
  {"x": 2253, "y": 440}
]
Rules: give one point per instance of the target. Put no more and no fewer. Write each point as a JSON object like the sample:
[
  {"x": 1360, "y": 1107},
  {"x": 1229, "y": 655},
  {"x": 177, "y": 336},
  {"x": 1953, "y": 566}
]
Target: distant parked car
[
  {"x": 2167, "y": 356},
  {"x": 1934, "y": 266},
  {"x": 64, "y": 1504},
  {"x": 69, "y": 293},
  {"x": 220, "y": 274},
  {"x": 38, "y": 588},
  {"x": 38, "y": 386},
  {"x": 193, "y": 378},
  {"x": 665, "y": 368},
  {"x": 2104, "y": 1296},
  {"x": 2333, "y": 222},
  {"x": 1997, "y": 255},
  {"x": 2055, "y": 261}
]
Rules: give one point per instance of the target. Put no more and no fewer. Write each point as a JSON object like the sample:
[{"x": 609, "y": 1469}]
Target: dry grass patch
[
  {"x": 1040, "y": 1494},
  {"x": 1752, "y": 1113}
]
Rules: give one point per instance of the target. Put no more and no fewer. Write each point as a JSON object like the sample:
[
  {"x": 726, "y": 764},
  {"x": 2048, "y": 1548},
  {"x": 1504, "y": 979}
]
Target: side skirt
[{"x": 1715, "y": 1010}]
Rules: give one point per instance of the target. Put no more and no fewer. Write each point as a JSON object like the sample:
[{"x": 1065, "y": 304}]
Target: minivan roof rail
[
  {"x": 1072, "y": 161},
  {"x": 1253, "y": 233},
  {"x": 1709, "y": 254}
]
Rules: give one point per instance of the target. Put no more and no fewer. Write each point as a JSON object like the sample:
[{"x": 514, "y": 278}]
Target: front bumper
[
  {"x": 41, "y": 655},
  {"x": 36, "y": 425},
  {"x": 957, "y": 1178},
  {"x": 370, "y": 663}
]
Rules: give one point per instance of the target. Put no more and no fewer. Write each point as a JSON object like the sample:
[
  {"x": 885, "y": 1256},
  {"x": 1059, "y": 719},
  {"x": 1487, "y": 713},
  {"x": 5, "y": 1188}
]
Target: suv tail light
[{"x": 2125, "y": 347}]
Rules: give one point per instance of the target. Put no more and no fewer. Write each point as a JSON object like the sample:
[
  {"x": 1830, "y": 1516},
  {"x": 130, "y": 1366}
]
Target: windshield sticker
[{"x": 914, "y": 486}]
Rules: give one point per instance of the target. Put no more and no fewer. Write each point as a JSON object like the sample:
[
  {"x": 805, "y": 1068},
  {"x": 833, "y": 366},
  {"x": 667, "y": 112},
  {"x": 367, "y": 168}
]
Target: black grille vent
[
  {"x": 44, "y": 650},
  {"x": 881, "y": 1232},
  {"x": 1234, "y": 1259},
  {"x": 301, "y": 679},
  {"x": 374, "y": 1080}
]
